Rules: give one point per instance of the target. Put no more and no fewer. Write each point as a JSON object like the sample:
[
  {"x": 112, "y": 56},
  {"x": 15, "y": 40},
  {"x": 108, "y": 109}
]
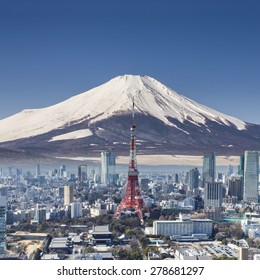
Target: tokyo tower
[{"x": 132, "y": 199}]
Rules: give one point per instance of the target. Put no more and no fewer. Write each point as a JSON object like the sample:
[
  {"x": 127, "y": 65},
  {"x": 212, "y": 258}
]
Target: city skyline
[
  {"x": 205, "y": 51},
  {"x": 60, "y": 197},
  {"x": 190, "y": 187},
  {"x": 39, "y": 202}
]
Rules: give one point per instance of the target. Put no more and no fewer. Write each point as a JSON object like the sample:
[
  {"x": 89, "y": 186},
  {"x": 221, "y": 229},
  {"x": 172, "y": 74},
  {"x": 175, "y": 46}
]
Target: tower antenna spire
[{"x": 133, "y": 110}]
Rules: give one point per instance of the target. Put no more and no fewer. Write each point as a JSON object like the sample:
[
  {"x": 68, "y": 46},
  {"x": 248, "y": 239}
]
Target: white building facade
[{"x": 186, "y": 227}]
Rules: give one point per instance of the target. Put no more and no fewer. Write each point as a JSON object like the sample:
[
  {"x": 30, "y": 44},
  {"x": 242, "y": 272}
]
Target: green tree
[
  {"x": 144, "y": 241},
  {"x": 135, "y": 255},
  {"x": 89, "y": 250}
]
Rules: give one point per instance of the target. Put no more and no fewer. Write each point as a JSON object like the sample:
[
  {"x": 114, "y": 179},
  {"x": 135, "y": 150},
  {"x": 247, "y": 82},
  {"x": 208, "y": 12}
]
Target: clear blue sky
[{"x": 207, "y": 50}]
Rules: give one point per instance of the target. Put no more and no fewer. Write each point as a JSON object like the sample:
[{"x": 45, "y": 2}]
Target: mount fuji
[{"x": 99, "y": 119}]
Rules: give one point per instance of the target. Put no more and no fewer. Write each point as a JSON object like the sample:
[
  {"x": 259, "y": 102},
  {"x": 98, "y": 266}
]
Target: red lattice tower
[{"x": 132, "y": 199}]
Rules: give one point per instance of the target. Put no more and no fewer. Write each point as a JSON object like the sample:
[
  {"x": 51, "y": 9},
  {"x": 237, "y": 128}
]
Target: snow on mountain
[
  {"x": 72, "y": 135},
  {"x": 112, "y": 98}
]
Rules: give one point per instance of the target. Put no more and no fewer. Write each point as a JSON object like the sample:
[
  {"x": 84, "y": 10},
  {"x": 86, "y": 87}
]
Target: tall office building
[
  {"x": 176, "y": 178},
  {"x": 235, "y": 187},
  {"x": 76, "y": 209},
  {"x": 251, "y": 171},
  {"x": 193, "y": 179},
  {"x": 82, "y": 173},
  {"x": 37, "y": 171},
  {"x": 209, "y": 168},
  {"x": 68, "y": 195},
  {"x": 40, "y": 213},
  {"x": 213, "y": 193},
  {"x": 2, "y": 224},
  {"x": 108, "y": 167},
  {"x": 62, "y": 171},
  {"x": 241, "y": 166},
  {"x": 92, "y": 174}
]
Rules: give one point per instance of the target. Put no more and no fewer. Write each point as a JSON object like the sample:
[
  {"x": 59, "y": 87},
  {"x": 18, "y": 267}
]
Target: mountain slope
[{"x": 100, "y": 118}]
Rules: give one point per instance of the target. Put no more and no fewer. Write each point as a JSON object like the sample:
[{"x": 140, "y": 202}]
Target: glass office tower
[
  {"x": 209, "y": 168},
  {"x": 108, "y": 167},
  {"x": 251, "y": 171}
]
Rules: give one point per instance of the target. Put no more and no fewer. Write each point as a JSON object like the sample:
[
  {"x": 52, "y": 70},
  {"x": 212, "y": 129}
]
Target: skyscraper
[
  {"x": 251, "y": 171},
  {"x": 213, "y": 195},
  {"x": 62, "y": 171},
  {"x": 235, "y": 186},
  {"x": 2, "y": 224},
  {"x": 193, "y": 179},
  {"x": 209, "y": 168},
  {"x": 108, "y": 167},
  {"x": 82, "y": 173},
  {"x": 76, "y": 209},
  {"x": 68, "y": 195},
  {"x": 40, "y": 213},
  {"x": 37, "y": 171},
  {"x": 241, "y": 166}
]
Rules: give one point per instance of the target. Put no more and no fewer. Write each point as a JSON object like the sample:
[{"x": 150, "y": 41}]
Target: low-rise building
[
  {"x": 61, "y": 245},
  {"x": 101, "y": 235},
  {"x": 250, "y": 224},
  {"x": 183, "y": 227}
]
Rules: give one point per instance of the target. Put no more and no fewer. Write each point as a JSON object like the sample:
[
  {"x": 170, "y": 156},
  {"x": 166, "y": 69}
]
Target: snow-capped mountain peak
[{"x": 114, "y": 98}]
